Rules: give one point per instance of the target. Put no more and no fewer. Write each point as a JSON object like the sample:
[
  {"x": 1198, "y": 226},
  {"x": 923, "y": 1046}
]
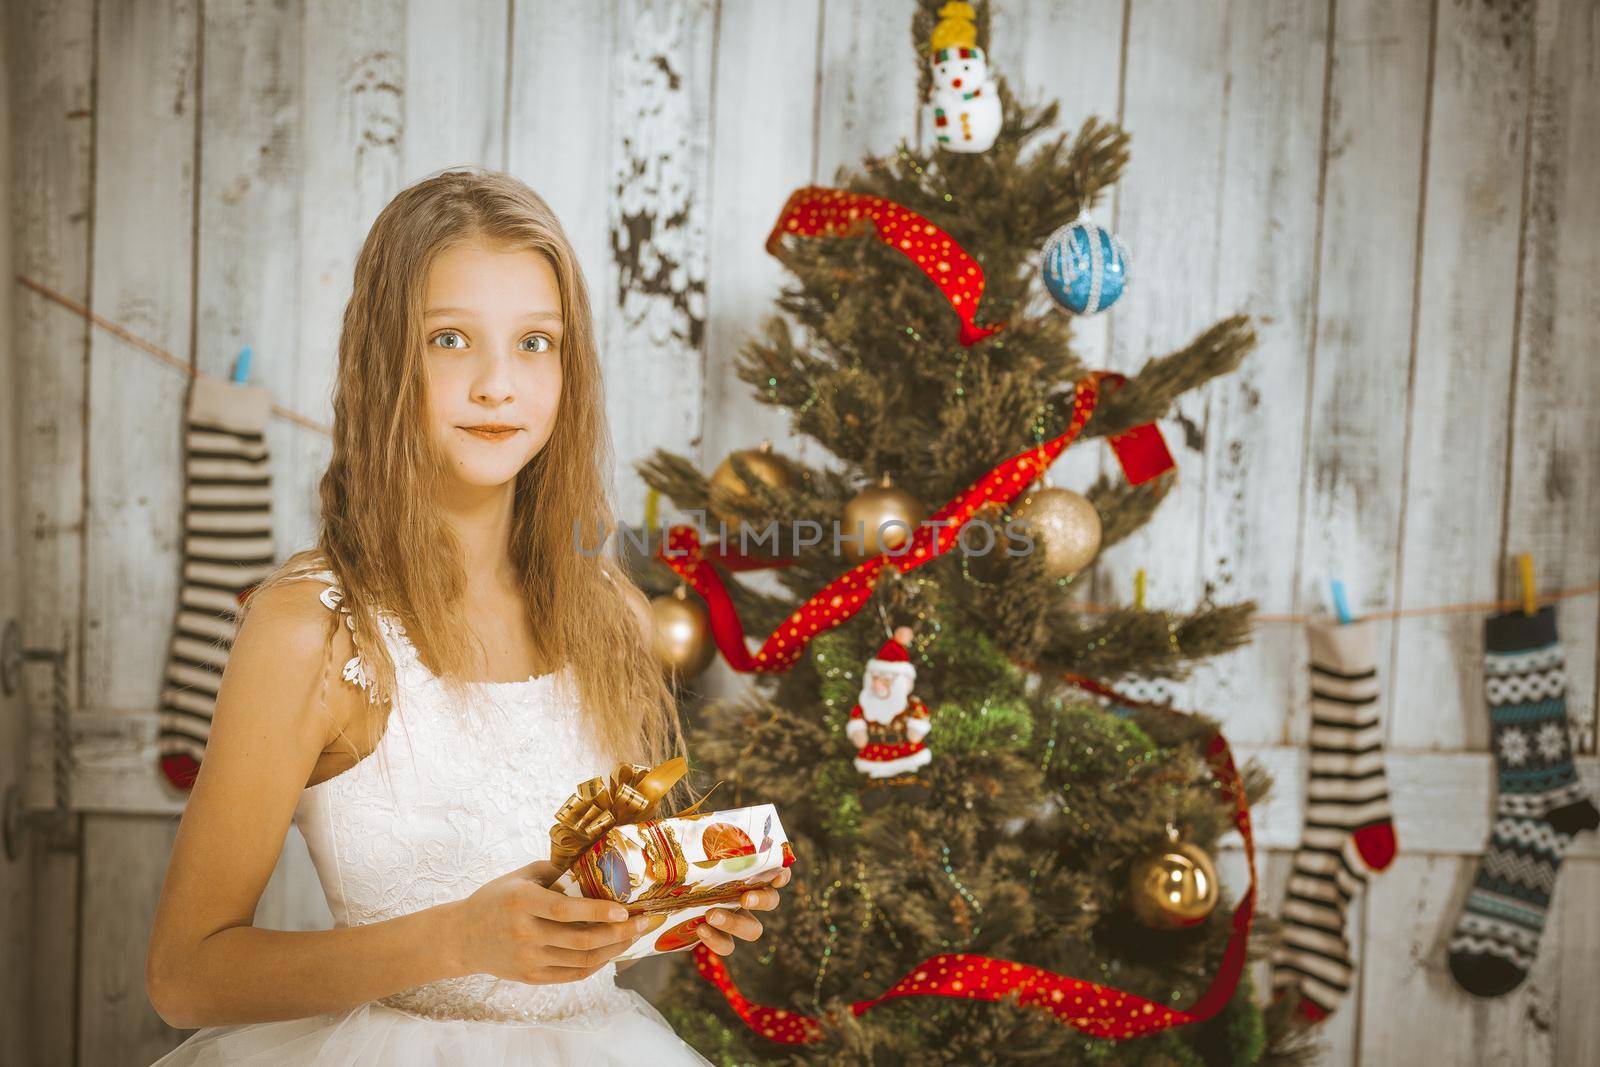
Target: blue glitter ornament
[{"x": 1085, "y": 268}]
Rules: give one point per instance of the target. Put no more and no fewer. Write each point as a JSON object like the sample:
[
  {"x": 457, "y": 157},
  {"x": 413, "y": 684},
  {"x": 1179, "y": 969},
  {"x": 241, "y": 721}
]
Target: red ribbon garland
[
  {"x": 815, "y": 211},
  {"x": 1142, "y": 452},
  {"x": 1102, "y": 1011}
]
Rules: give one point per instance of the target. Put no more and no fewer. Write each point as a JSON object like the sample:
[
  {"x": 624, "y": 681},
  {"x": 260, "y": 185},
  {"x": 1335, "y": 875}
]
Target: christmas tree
[{"x": 1008, "y": 809}]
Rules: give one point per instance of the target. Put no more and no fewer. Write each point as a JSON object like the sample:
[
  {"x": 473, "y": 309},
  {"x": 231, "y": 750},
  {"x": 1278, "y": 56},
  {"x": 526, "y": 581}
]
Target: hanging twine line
[
  {"x": 149, "y": 348},
  {"x": 157, "y": 352},
  {"x": 1471, "y": 608}
]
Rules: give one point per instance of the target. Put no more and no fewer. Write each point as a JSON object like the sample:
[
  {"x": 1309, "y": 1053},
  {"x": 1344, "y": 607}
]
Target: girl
[{"x": 490, "y": 663}]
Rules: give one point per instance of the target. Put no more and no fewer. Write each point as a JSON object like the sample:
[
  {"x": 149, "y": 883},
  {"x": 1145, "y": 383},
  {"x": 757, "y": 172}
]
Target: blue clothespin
[
  {"x": 241, "y": 366},
  {"x": 1341, "y": 606}
]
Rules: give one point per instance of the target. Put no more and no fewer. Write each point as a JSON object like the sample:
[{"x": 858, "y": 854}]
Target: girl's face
[{"x": 492, "y": 321}]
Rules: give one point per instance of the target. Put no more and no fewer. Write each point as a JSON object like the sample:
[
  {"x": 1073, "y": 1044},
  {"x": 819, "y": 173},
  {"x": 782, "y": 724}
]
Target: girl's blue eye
[
  {"x": 538, "y": 337},
  {"x": 438, "y": 339}
]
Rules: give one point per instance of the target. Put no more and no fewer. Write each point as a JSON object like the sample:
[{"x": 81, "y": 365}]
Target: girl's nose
[{"x": 493, "y": 385}]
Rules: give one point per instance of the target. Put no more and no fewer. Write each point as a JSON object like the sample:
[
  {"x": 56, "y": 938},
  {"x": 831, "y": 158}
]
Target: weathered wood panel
[
  {"x": 1350, "y": 494},
  {"x": 867, "y": 84},
  {"x": 658, "y": 203},
  {"x": 52, "y": 999},
  {"x": 1267, "y": 219},
  {"x": 146, "y": 102},
  {"x": 1355, "y": 428},
  {"x": 125, "y": 860},
  {"x": 1411, "y": 1005},
  {"x": 247, "y": 277},
  {"x": 352, "y": 78},
  {"x": 1575, "y": 939},
  {"x": 144, "y": 197},
  {"x": 50, "y": 65},
  {"x": 455, "y": 88},
  {"x": 1174, "y": 105},
  {"x": 1553, "y": 486},
  {"x": 247, "y": 292},
  {"x": 1472, "y": 204},
  {"x": 146, "y": 106},
  {"x": 559, "y": 134},
  {"x": 17, "y": 874},
  {"x": 756, "y": 163}
]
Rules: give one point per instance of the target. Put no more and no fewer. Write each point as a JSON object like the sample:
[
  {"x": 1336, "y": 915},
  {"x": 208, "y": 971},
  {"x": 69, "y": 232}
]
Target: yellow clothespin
[
  {"x": 652, "y": 508},
  {"x": 1530, "y": 600},
  {"x": 1138, "y": 589}
]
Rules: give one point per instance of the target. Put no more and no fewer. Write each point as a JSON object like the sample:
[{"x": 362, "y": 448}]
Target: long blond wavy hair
[{"x": 381, "y": 534}]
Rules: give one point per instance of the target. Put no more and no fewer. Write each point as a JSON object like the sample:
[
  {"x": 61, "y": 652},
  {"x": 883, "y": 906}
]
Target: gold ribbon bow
[{"x": 631, "y": 796}]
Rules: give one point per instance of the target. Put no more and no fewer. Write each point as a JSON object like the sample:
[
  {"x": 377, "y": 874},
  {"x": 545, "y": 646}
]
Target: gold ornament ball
[
  {"x": 869, "y": 510},
  {"x": 682, "y": 634},
  {"x": 1063, "y": 525},
  {"x": 768, "y": 467},
  {"x": 1173, "y": 888}
]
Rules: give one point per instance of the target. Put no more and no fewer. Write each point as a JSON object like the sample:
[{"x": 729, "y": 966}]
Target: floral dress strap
[{"x": 357, "y": 670}]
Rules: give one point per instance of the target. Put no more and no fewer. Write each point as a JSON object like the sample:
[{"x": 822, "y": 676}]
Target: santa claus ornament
[{"x": 888, "y": 723}]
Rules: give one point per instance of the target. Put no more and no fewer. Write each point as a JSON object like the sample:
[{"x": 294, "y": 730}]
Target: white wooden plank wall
[
  {"x": 1402, "y": 193},
  {"x": 17, "y": 878},
  {"x": 50, "y": 61}
]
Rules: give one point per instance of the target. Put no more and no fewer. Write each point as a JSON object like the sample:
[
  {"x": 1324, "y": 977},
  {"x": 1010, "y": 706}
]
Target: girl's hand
[
  {"x": 740, "y": 923},
  {"x": 515, "y": 928}
]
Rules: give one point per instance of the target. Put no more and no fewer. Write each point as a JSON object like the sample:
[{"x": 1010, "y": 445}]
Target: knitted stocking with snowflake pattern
[
  {"x": 227, "y": 548},
  {"x": 1348, "y": 827},
  {"x": 1542, "y": 804}
]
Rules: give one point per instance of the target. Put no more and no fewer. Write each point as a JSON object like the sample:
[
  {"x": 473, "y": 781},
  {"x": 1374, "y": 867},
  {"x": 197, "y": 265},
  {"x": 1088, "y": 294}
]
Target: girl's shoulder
[
  {"x": 307, "y": 589},
  {"x": 284, "y": 654}
]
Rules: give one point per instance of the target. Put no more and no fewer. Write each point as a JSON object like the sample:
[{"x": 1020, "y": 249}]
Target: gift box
[
  {"x": 609, "y": 844},
  {"x": 675, "y": 871}
]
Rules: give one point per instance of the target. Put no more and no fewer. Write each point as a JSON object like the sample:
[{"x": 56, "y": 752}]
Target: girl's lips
[{"x": 490, "y": 435}]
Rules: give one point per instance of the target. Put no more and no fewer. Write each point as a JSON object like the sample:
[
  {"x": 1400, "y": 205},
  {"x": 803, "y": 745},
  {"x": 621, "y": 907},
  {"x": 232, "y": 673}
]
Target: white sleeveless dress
[{"x": 449, "y": 799}]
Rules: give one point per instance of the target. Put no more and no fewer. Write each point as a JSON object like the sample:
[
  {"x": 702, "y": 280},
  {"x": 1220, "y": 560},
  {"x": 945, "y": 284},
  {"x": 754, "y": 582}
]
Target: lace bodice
[{"x": 450, "y": 798}]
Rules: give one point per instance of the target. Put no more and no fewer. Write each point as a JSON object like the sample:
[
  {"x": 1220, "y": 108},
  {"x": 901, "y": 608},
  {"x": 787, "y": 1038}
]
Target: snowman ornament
[{"x": 966, "y": 105}]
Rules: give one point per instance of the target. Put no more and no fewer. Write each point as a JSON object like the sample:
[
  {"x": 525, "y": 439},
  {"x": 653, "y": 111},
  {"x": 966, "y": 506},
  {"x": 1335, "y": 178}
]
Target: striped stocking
[
  {"x": 1348, "y": 827},
  {"x": 1542, "y": 803},
  {"x": 227, "y": 548}
]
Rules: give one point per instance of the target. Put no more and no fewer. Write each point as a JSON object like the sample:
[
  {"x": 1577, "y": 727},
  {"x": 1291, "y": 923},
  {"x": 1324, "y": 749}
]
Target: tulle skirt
[{"x": 377, "y": 1034}]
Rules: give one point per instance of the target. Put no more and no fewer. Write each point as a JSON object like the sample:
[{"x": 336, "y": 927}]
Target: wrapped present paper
[{"x": 610, "y": 843}]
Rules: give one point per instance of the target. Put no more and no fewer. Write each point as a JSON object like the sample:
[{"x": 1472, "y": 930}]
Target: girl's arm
[{"x": 207, "y": 963}]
